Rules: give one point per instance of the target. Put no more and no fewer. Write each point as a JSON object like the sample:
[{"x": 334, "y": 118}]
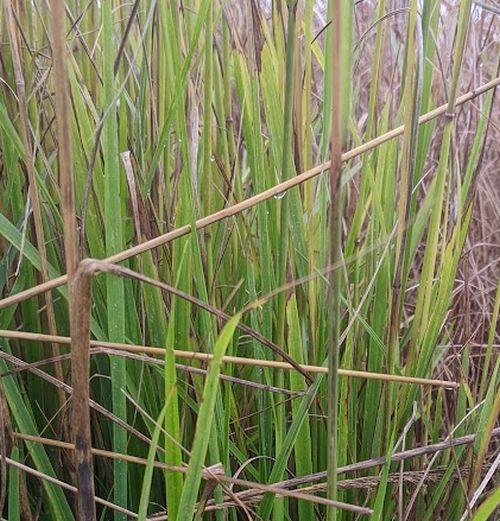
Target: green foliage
[{"x": 216, "y": 102}]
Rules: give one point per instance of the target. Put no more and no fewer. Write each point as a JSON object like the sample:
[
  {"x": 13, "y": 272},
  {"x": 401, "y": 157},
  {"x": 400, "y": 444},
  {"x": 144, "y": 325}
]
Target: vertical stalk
[
  {"x": 411, "y": 102},
  {"x": 62, "y": 101},
  {"x": 66, "y": 183},
  {"x": 309, "y": 188},
  {"x": 340, "y": 89},
  {"x": 207, "y": 132},
  {"x": 486, "y": 371},
  {"x": 80, "y": 420},
  {"x": 286, "y": 168},
  {"x": 113, "y": 234},
  {"x": 375, "y": 71},
  {"x": 286, "y": 161},
  {"x": 207, "y": 110},
  {"x": 6, "y": 444},
  {"x": 29, "y": 159}
]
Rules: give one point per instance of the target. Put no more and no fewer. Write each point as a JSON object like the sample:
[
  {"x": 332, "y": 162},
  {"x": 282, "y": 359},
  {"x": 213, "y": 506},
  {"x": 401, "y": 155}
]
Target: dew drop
[{"x": 476, "y": 14}]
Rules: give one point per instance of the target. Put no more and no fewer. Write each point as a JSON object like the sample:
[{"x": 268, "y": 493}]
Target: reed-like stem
[{"x": 341, "y": 81}]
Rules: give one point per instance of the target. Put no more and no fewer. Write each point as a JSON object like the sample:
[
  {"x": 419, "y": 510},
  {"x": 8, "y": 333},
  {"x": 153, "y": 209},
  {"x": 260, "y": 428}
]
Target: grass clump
[{"x": 296, "y": 315}]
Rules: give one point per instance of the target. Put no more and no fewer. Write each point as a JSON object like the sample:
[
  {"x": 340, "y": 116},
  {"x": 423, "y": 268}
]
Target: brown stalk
[
  {"x": 29, "y": 160},
  {"x": 80, "y": 305},
  {"x": 65, "y": 164},
  {"x": 194, "y": 355},
  {"x": 6, "y": 442},
  {"x": 237, "y": 208},
  {"x": 126, "y": 33},
  {"x": 62, "y": 110}
]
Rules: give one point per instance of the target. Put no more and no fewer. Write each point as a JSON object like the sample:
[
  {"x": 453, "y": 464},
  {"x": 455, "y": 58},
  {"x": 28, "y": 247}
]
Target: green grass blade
[
  {"x": 148, "y": 471},
  {"x": 203, "y": 424},
  {"x": 115, "y": 294}
]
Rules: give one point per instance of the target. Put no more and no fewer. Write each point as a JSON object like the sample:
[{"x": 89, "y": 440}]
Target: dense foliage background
[{"x": 177, "y": 110}]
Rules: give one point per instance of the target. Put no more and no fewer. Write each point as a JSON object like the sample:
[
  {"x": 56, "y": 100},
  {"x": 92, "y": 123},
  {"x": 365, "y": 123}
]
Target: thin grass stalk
[
  {"x": 207, "y": 118},
  {"x": 6, "y": 443},
  {"x": 173, "y": 453},
  {"x": 481, "y": 452},
  {"x": 375, "y": 71},
  {"x": 340, "y": 82},
  {"x": 489, "y": 348},
  {"x": 113, "y": 233},
  {"x": 229, "y": 359},
  {"x": 308, "y": 161},
  {"x": 286, "y": 172},
  {"x": 148, "y": 473},
  {"x": 286, "y": 158},
  {"x": 303, "y": 454}
]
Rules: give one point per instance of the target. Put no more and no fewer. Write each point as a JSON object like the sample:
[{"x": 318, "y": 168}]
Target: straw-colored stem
[{"x": 257, "y": 362}]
